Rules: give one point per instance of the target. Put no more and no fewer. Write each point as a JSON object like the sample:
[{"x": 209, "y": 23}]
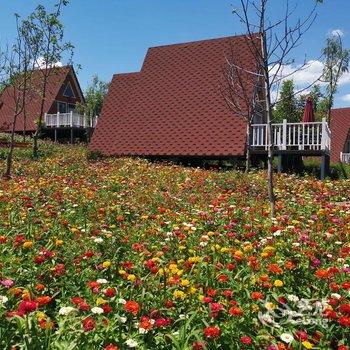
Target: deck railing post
[
  {"x": 324, "y": 134},
  {"x": 71, "y": 118},
  {"x": 58, "y": 120},
  {"x": 284, "y": 134}
]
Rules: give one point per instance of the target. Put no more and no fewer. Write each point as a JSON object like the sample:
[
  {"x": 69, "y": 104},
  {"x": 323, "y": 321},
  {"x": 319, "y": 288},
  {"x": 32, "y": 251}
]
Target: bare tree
[
  {"x": 17, "y": 85},
  {"x": 271, "y": 42},
  {"x": 44, "y": 34},
  {"x": 241, "y": 90}
]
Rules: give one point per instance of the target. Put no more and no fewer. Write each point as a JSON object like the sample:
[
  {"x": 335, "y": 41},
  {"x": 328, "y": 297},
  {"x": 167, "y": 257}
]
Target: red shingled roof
[
  {"x": 174, "y": 106},
  {"x": 340, "y": 126},
  {"x": 34, "y": 101}
]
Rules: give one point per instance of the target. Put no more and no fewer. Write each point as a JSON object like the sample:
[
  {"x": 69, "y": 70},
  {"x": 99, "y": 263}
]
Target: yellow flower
[
  {"x": 185, "y": 283},
  {"x": 278, "y": 283},
  {"x": 100, "y": 301},
  {"x": 106, "y": 264},
  {"x": 28, "y": 244},
  {"x": 194, "y": 259},
  {"x": 270, "y": 306},
  {"x": 40, "y": 315},
  {"x": 307, "y": 344},
  {"x": 74, "y": 229},
  {"x": 122, "y": 272},
  {"x": 131, "y": 277},
  {"x": 178, "y": 294},
  {"x": 59, "y": 242},
  {"x": 192, "y": 290}
]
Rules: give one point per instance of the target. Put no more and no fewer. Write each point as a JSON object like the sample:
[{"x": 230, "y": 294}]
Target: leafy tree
[
  {"x": 336, "y": 63},
  {"x": 94, "y": 97},
  {"x": 44, "y": 33},
  {"x": 286, "y": 107}
]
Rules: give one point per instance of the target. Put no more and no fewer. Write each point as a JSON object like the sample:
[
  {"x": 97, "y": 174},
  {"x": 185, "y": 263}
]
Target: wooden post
[
  {"x": 55, "y": 131},
  {"x": 280, "y": 163},
  {"x": 324, "y": 134},
  {"x": 325, "y": 165},
  {"x": 58, "y": 120},
  {"x": 71, "y": 135},
  {"x": 284, "y": 134}
]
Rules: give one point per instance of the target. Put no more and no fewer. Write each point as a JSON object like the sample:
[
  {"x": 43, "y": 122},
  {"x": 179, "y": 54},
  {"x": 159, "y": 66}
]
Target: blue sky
[{"x": 112, "y": 36}]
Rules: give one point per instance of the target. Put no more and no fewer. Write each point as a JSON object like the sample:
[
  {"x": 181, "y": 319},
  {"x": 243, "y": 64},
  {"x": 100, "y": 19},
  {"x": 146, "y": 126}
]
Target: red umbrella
[{"x": 309, "y": 116}]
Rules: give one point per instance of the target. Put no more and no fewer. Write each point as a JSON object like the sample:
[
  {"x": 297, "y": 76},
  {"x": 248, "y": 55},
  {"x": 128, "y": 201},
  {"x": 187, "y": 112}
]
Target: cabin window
[
  {"x": 347, "y": 146},
  {"x": 62, "y": 107},
  {"x": 71, "y": 108},
  {"x": 68, "y": 91}
]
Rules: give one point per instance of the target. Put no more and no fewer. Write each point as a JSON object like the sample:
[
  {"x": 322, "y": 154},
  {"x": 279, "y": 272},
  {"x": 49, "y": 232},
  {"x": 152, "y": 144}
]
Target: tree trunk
[
  {"x": 247, "y": 159},
  {"x": 9, "y": 158},
  {"x": 268, "y": 111}
]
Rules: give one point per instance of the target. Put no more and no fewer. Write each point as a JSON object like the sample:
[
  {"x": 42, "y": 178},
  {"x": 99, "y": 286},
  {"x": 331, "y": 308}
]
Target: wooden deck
[{"x": 303, "y": 139}]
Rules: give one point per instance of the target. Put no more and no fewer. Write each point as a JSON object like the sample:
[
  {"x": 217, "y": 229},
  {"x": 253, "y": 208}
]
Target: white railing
[
  {"x": 345, "y": 157},
  {"x": 71, "y": 119},
  {"x": 300, "y": 136}
]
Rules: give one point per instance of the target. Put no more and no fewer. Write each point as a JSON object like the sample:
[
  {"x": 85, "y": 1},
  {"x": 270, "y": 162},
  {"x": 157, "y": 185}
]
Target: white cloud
[
  {"x": 41, "y": 63},
  {"x": 306, "y": 76},
  {"x": 345, "y": 79},
  {"x": 339, "y": 32},
  {"x": 345, "y": 98}
]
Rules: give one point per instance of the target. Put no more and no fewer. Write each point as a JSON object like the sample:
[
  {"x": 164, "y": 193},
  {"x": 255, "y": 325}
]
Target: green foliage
[
  {"x": 286, "y": 107},
  {"x": 337, "y": 60},
  {"x": 94, "y": 97}
]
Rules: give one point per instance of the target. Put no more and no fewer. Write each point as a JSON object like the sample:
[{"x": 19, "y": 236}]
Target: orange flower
[
  {"x": 45, "y": 299},
  {"x": 132, "y": 306},
  {"x": 274, "y": 268},
  {"x": 257, "y": 295},
  {"x": 235, "y": 311}
]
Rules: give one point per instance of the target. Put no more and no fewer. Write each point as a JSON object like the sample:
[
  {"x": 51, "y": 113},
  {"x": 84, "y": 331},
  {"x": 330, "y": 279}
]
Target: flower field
[{"x": 120, "y": 253}]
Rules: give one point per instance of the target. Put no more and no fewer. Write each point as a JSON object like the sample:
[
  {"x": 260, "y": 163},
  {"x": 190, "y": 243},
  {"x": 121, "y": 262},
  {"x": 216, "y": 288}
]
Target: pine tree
[{"x": 286, "y": 107}]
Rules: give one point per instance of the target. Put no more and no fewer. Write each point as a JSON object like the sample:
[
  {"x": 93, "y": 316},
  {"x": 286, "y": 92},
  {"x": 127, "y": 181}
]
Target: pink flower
[{"x": 7, "y": 283}]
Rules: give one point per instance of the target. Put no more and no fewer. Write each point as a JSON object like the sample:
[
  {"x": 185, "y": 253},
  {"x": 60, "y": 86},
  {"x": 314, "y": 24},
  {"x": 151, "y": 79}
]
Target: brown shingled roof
[
  {"x": 340, "y": 126},
  {"x": 174, "y": 106},
  {"x": 54, "y": 85}
]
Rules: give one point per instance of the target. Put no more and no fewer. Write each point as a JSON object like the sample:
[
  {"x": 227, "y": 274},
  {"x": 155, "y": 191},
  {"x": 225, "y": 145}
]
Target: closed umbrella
[{"x": 309, "y": 115}]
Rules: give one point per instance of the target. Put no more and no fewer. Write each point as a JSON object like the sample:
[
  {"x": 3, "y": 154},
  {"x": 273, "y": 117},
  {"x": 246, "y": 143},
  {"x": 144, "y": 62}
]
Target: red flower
[
  {"x": 344, "y": 309},
  {"x": 162, "y": 322},
  {"x": 199, "y": 345},
  {"x": 110, "y": 292},
  {"x": 345, "y": 285},
  {"x": 257, "y": 295},
  {"x": 88, "y": 324},
  {"x": 301, "y": 335},
  {"x": 235, "y": 311},
  {"x": 26, "y": 307},
  {"x": 246, "y": 340},
  {"x": 111, "y": 347},
  {"x": 169, "y": 304},
  {"x": 84, "y": 306},
  {"x": 212, "y": 332},
  {"x": 77, "y": 300},
  {"x": 107, "y": 308},
  {"x": 132, "y": 306},
  {"x": 344, "y": 321}
]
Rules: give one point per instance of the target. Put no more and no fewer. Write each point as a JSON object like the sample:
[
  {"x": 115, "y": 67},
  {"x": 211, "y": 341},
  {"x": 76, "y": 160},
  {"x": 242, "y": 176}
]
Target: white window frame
[{"x": 66, "y": 89}]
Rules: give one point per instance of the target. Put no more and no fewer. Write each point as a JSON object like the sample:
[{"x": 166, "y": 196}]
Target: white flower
[
  {"x": 293, "y": 298},
  {"x": 102, "y": 281},
  {"x": 121, "y": 301},
  {"x": 335, "y": 295},
  {"x": 66, "y": 310},
  {"x": 98, "y": 240},
  {"x": 3, "y": 299},
  {"x": 122, "y": 319},
  {"x": 287, "y": 337},
  {"x": 131, "y": 343},
  {"x": 142, "y": 330},
  {"x": 97, "y": 310},
  {"x": 203, "y": 244},
  {"x": 277, "y": 233}
]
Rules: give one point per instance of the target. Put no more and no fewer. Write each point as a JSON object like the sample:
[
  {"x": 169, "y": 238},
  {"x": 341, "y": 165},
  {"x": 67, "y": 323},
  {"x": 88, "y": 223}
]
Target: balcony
[
  {"x": 345, "y": 157},
  {"x": 69, "y": 120},
  {"x": 294, "y": 137}
]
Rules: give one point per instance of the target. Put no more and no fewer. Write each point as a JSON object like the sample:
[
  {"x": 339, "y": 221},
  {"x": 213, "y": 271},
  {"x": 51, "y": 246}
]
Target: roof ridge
[{"x": 201, "y": 41}]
